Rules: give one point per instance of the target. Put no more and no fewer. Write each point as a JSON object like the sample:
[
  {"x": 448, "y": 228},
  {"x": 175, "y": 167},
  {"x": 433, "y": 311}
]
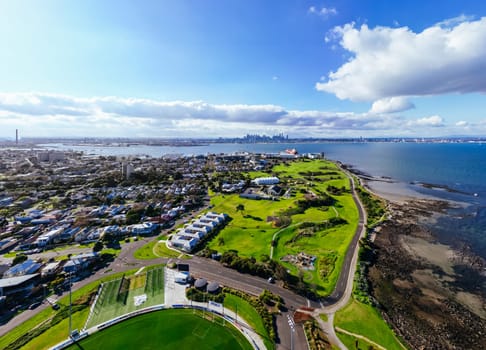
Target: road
[
  {"x": 345, "y": 280},
  {"x": 214, "y": 271}
]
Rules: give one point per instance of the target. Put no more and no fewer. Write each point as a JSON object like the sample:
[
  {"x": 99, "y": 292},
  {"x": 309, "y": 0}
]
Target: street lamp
[
  {"x": 70, "y": 305},
  {"x": 292, "y": 330}
]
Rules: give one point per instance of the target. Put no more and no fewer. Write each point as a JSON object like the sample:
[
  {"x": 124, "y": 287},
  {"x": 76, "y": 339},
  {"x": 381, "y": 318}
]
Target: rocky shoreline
[{"x": 432, "y": 295}]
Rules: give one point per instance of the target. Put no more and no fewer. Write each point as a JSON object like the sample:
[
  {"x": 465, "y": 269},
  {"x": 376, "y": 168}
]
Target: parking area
[{"x": 175, "y": 293}]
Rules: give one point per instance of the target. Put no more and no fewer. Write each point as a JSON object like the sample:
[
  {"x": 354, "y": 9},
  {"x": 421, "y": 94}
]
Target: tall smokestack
[{"x": 16, "y": 136}]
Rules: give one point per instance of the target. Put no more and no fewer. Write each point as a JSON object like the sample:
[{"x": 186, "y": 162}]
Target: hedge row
[{"x": 195, "y": 294}]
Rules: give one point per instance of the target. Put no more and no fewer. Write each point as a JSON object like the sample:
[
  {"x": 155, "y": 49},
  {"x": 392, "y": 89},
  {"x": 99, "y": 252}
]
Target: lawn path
[
  {"x": 340, "y": 330},
  {"x": 335, "y": 211},
  {"x": 276, "y": 234}
]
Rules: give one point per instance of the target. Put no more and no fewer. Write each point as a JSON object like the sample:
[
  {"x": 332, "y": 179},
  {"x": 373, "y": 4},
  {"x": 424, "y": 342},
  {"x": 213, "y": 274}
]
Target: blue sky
[{"x": 227, "y": 68}]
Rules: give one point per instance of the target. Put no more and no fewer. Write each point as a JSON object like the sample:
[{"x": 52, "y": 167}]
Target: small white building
[
  {"x": 272, "y": 180},
  {"x": 48, "y": 238},
  {"x": 50, "y": 269},
  {"x": 185, "y": 243},
  {"x": 145, "y": 228},
  {"x": 194, "y": 234},
  {"x": 188, "y": 237}
]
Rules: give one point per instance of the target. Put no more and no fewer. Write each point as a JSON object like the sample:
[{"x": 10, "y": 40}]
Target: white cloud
[
  {"x": 389, "y": 62},
  {"x": 323, "y": 11},
  {"x": 432, "y": 121},
  {"x": 451, "y": 22},
  {"x": 462, "y": 123},
  {"x": 38, "y": 114},
  {"x": 391, "y": 105}
]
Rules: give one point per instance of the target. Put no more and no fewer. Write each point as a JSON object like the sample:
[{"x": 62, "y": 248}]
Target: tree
[
  {"x": 240, "y": 207},
  {"x": 19, "y": 258},
  {"x": 98, "y": 246}
]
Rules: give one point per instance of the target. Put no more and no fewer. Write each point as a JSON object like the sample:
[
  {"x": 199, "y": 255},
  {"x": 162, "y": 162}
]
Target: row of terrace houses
[{"x": 191, "y": 234}]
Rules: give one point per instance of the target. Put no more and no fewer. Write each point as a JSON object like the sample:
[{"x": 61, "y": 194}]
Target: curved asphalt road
[{"x": 348, "y": 269}]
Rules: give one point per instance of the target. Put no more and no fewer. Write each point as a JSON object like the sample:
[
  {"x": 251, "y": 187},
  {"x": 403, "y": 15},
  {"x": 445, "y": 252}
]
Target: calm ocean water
[{"x": 459, "y": 166}]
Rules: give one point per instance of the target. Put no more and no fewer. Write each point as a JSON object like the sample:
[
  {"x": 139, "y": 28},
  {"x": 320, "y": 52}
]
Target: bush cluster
[
  {"x": 316, "y": 338},
  {"x": 362, "y": 289},
  {"x": 195, "y": 294},
  {"x": 374, "y": 206},
  {"x": 231, "y": 259},
  {"x": 337, "y": 191},
  {"x": 267, "y": 317},
  {"x": 271, "y": 299}
]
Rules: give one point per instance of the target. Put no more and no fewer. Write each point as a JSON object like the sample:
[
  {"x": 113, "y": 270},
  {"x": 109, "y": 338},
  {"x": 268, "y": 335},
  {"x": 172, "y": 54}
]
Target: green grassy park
[
  {"x": 175, "y": 329},
  {"x": 322, "y": 229},
  {"x": 362, "y": 319},
  {"x": 353, "y": 343},
  {"x": 249, "y": 314}
]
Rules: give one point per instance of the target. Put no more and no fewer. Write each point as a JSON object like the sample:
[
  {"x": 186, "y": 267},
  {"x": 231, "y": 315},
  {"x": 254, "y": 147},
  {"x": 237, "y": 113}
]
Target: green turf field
[
  {"x": 115, "y": 299},
  {"x": 167, "y": 329}
]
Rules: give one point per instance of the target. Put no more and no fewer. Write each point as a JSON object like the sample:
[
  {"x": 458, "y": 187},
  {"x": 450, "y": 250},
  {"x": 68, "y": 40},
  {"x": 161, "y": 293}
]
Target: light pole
[
  {"x": 70, "y": 305},
  {"x": 292, "y": 330}
]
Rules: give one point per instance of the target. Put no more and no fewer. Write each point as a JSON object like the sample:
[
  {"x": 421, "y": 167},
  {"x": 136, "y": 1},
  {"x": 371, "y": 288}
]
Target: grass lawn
[
  {"x": 363, "y": 319},
  {"x": 146, "y": 252},
  {"x": 58, "y": 333},
  {"x": 162, "y": 251},
  {"x": 155, "y": 249},
  {"x": 111, "y": 303},
  {"x": 249, "y": 314},
  {"x": 324, "y": 317},
  {"x": 350, "y": 342},
  {"x": 250, "y": 234},
  {"x": 170, "y": 329}
]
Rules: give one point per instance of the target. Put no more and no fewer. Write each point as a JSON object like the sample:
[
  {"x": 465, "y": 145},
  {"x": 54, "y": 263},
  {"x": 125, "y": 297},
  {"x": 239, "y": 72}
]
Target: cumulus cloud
[
  {"x": 323, "y": 11},
  {"x": 391, "y": 105},
  {"x": 386, "y": 62}
]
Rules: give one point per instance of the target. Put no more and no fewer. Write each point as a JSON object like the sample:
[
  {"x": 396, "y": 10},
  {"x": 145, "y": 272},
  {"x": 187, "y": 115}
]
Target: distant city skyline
[{"x": 214, "y": 68}]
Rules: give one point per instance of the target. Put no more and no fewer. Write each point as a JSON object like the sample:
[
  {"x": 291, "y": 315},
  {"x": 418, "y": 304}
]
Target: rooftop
[{"x": 15, "y": 281}]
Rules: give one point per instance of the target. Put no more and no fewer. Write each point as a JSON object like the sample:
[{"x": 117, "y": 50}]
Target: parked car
[{"x": 34, "y": 305}]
